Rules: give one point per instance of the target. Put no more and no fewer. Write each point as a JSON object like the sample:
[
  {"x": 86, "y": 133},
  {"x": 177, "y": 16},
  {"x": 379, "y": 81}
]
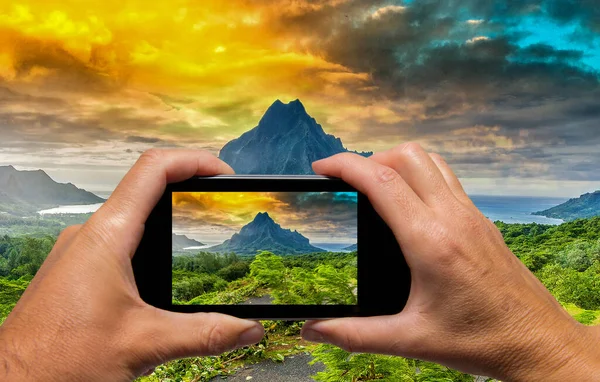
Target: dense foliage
[
  {"x": 194, "y": 275},
  {"x": 566, "y": 258},
  {"x": 38, "y": 225},
  {"x": 318, "y": 278},
  {"x": 344, "y": 366}
]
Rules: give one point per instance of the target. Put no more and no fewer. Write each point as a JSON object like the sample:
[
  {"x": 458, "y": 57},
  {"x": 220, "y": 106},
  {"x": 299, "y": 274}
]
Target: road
[
  {"x": 263, "y": 300},
  {"x": 293, "y": 368}
]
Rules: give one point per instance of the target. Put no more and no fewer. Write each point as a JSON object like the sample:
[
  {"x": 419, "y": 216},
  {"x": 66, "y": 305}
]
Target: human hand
[
  {"x": 473, "y": 306},
  {"x": 82, "y": 319}
]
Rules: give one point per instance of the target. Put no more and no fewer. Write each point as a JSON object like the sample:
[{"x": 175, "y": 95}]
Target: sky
[
  {"x": 506, "y": 91},
  {"x": 213, "y": 217}
]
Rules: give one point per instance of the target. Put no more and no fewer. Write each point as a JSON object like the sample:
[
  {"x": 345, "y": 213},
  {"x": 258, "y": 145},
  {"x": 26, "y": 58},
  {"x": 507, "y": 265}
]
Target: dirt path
[
  {"x": 262, "y": 300},
  {"x": 293, "y": 368}
]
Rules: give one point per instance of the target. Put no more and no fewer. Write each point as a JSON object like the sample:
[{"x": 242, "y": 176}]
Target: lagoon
[{"x": 74, "y": 209}]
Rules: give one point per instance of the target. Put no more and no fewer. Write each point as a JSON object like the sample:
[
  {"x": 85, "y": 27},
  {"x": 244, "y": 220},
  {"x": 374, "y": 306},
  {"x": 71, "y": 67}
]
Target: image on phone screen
[{"x": 264, "y": 248}]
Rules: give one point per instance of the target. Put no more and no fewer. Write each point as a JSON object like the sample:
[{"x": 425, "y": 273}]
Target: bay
[{"x": 72, "y": 209}]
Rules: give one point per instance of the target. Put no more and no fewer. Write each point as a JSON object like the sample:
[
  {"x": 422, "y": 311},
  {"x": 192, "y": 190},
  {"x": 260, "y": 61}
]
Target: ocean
[
  {"x": 333, "y": 247},
  {"x": 509, "y": 209},
  {"x": 516, "y": 209}
]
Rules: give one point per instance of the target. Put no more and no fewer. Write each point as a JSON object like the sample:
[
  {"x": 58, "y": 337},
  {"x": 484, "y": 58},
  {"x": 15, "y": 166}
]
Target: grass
[{"x": 586, "y": 317}]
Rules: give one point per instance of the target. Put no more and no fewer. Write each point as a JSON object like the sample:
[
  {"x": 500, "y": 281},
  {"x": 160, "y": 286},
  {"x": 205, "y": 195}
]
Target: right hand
[{"x": 473, "y": 305}]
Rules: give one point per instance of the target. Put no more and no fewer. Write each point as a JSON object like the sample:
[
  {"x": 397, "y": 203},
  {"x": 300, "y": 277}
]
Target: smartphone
[{"x": 270, "y": 247}]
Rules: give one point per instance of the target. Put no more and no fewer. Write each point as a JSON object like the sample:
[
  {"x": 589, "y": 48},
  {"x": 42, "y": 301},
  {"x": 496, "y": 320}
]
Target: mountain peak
[
  {"x": 263, "y": 233},
  {"x": 280, "y": 112},
  {"x": 287, "y": 140},
  {"x": 262, "y": 217}
]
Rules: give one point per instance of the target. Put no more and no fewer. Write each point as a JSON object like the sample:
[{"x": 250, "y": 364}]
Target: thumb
[
  {"x": 169, "y": 335},
  {"x": 393, "y": 335}
]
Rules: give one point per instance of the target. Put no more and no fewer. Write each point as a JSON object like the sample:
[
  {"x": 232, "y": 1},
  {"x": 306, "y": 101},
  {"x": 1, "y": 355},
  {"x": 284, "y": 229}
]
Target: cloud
[
  {"x": 134, "y": 138},
  {"x": 319, "y": 216},
  {"x": 460, "y": 77},
  {"x": 382, "y": 12}
]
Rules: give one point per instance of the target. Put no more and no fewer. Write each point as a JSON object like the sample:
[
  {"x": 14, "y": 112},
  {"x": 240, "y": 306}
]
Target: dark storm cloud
[
  {"x": 585, "y": 12},
  {"x": 322, "y": 210},
  {"x": 403, "y": 52},
  {"x": 464, "y": 66},
  {"x": 136, "y": 138}
]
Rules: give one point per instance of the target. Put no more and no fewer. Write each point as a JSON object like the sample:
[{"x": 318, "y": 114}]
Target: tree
[
  {"x": 336, "y": 286},
  {"x": 234, "y": 271},
  {"x": 268, "y": 269}
]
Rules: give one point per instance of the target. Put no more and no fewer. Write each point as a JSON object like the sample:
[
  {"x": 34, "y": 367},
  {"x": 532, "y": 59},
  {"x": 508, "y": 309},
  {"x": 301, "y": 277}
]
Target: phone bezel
[{"x": 382, "y": 269}]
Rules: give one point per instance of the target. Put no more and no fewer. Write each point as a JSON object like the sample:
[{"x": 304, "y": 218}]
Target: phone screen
[{"x": 264, "y": 248}]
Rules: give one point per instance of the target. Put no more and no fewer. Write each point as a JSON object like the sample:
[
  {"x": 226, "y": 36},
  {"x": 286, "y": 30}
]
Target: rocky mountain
[
  {"x": 352, "y": 247},
  {"x": 286, "y": 141},
  {"x": 180, "y": 242},
  {"x": 585, "y": 206},
  {"x": 263, "y": 234},
  {"x": 29, "y": 191}
]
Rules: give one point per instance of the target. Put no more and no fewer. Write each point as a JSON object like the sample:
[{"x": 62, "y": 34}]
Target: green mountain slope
[{"x": 585, "y": 206}]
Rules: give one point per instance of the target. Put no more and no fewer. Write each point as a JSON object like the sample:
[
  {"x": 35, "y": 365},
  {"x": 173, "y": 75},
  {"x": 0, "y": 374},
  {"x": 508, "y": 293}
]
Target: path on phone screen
[
  {"x": 293, "y": 368},
  {"x": 262, "y": 300}
]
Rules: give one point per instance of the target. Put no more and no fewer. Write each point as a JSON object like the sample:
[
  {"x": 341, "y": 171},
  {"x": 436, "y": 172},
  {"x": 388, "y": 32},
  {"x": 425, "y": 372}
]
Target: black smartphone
[{"x": 270, "y": 247}]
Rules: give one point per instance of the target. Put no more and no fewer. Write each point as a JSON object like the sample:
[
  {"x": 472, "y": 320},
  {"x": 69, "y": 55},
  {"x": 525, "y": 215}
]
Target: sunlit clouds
[
  {"x": 323, "y": 217},
  {"x": 501, "y": 92}
]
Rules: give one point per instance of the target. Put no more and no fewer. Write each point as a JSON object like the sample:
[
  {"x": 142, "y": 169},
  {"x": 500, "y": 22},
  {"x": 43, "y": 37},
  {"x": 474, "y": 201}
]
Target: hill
[
  {"x": 286, "y": 141},
  {"x": 352, "y": 247},
  {"x": 585, "y": 206},
  {"x": 179, "y": 242},
  {"x": 25, "y": 192},
  {"x": 263, "y": 234}
]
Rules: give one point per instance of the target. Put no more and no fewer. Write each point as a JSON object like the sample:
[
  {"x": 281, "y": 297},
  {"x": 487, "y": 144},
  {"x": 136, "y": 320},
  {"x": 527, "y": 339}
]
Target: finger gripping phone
[{"x": 270, "y": 247}]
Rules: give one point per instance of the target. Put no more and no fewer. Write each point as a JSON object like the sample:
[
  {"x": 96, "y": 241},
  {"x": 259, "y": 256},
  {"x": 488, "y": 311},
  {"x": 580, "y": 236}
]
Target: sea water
[
  {"x": 516, "y": 209},
  {"x": 509, "y": 209}
]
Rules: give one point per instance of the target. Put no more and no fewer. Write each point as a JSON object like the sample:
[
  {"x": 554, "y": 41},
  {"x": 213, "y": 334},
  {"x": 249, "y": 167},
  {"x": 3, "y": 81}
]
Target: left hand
[{"x": 82, "y": 319}]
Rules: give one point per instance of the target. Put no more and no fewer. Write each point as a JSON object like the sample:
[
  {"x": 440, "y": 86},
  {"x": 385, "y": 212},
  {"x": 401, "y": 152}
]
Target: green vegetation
[
  {"x": 566, "y": 258},
  {"x": 20, "y": 259},
  {"x": 585, "y": 206},
  {"x": 318, "y": 278},
  {"x": 344, "y": 366},
  {"x": 38, "y": 225}
]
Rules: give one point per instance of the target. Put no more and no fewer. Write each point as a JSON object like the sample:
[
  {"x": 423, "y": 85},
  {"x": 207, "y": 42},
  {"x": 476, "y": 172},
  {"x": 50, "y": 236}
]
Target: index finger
[
  {"x": 123, "y": 215},
  {"x": 393, "y": 199}
]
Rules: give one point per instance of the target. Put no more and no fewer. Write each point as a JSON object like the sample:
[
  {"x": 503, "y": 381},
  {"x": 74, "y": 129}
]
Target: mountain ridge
[
  {"x": 584, "y": 206},
  {"x": 289, "y": 134},
  {"x": 352, "y": 247},
  {"x": 179, "y": 242},
  {"x": 27, "y": 191},
  {"x": 263, "y": 234}
]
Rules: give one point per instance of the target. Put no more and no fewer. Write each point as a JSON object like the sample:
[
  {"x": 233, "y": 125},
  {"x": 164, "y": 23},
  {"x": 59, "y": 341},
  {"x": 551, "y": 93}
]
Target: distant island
[
  {"x": 263, "y": 234},
  {"x": 25, "y": 192},
  {"x": 352, "y": 247},
  {"x": 286, "y": 141},
  {"x": 585, "y": 206},
  {"x": 179, "y": 242}
]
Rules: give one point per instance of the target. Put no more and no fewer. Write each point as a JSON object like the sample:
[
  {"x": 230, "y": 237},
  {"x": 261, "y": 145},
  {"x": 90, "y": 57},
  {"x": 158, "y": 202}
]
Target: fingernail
[
  {"x": 313, "y": 336},
  {"x": 251, "y": 336}
]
